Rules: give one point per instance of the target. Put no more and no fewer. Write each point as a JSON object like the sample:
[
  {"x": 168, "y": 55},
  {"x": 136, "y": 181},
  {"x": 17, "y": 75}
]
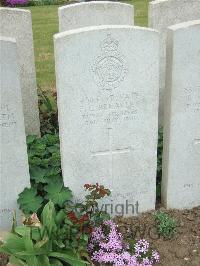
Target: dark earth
[{"x": 183, "y": 249}]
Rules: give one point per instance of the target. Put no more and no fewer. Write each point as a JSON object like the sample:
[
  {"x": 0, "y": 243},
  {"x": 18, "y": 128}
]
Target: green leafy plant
[
  {"x": 91, "y": 206},
  {"x": 166, "y": 225},
  {"x": 74, "y": 221},
  {"x": 159, "y": 163},
  {"x": 62, "y": 235},
  {"x": 36, "y": 243},
  {"x": 82, "y": 218},
  {"x": 46, "y": 176},
  {"x": 48, "y": 112},
  {"x": 47, "y": 2}
]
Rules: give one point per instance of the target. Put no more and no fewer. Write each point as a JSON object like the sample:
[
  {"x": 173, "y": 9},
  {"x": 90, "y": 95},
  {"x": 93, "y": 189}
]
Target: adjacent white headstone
[
  {"x": 95, "y": 13},
  {"x": 107, "y": 81},
  {"x": 16, "y": 23},
  {"x": 14, "y": 173},
  {"x": 162, "y": 14},
  {"x": 181, "y": 157}
]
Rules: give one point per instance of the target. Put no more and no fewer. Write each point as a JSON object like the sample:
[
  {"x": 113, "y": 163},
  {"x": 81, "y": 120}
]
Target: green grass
[
  {"x": 45, "y": 25},
  {"x": 141, "y": 11}
]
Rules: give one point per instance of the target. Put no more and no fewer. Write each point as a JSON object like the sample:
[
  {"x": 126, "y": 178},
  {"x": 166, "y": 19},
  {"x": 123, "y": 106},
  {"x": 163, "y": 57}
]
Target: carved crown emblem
[
  {"x": 109, "y": 67},
  {"x": 109, "y": 44}
]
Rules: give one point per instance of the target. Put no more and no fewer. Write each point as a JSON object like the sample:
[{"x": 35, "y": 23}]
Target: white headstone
[
  {"x": 16, "y": 23},
  {"x": 14, "y": 172},
  {"x": 162, "y": 14},
  {"x": 107, "y": 81},
  {"x": 95, "y": 13},
  {"x": 181, "y": 157}
]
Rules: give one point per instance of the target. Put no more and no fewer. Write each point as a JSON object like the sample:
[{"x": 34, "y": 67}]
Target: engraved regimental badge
[{"x": 109, "y": 68}]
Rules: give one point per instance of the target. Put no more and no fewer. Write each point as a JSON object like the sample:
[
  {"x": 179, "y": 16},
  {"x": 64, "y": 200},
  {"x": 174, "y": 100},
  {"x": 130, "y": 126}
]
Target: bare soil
[{"x": 183, "y": 249}]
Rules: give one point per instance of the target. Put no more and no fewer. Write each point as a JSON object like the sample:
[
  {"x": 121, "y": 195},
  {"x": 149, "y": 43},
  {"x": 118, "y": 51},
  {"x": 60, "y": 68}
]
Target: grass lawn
[{"x": 45, "y": 25}]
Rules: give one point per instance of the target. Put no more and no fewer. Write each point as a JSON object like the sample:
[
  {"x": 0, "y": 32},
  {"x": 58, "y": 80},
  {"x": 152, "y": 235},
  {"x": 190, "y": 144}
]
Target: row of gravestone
[
  {"x": 16, "y": 23},
  {"x": 108, "y": 83}
]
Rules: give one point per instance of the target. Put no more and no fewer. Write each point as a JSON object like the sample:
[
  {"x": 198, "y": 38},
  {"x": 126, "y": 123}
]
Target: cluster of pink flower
[
  {"x": 107, "y": 246},
  {"x": 13, "y": 3}
]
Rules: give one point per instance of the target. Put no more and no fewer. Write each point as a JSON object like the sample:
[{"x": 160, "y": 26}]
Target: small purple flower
[
  {"x": 141, "y": 246},
  {"x": 107, "y": 246},
  {"x": 146, "y": 262},
  {"x": 97, "y": 234},
  {"x": 155, "y": 256},
  {"x": 13, "y": 3}
]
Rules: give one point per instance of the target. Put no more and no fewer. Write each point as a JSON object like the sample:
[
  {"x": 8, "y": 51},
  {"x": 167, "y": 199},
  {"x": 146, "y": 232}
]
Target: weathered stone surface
[
  {"x": 181, "y": 157},
  {"x": 95, "y": 13},
  {"x": 16, "y": 23},
  {"x": 14, "y": 173},
  {"x": 107, "y": 81},
  {"x": 162, "y": 14}
]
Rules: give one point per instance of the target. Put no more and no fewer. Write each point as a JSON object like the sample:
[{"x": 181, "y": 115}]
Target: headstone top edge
[
  {"x": 102, "y": 27},
  {"x": 7, "y": 39},
  {"x": 184, "y": 25},
  {"x": 95, "y": 3},
  {"x": 157, "y": 2},
  {"x": 14, "y": 10}
]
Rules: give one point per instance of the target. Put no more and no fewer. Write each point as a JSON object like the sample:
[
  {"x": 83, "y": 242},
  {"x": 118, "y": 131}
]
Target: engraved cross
[{"x": 110, "y": 151}]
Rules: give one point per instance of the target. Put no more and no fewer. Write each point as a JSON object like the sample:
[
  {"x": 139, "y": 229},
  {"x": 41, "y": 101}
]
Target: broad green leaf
[
  {"x": 58, "y": 193},
  {"x": 4, "y": 249},
  {"x": 38, "y": 174},
  {"x": 50, "y": 139},
  {"x": 30, "y": 139},
  {"x": 55, "y": 262},
  {"x": 53, "y": 171},
  {"x": 35, "y": 252},
  {"x": 29, "y": 201},
  {"x": 22, "y": 230},
  {"x": 55, "y": 160},
  {"x": 32, "y": 261},
  {"x": 43, "y": 260},
  {"x": 35, "y": 161},
  {"x": 61, "y": 215},
  {"x": 27, "y": 240},
  {"x": 14, "y": 243},
  {"x": 17, "y": 262},
  {"x": 39, "y": 147},
  {"x": 36, "y": 234},
  {"x": 53, "y": 149},
  {"x": 48, "y": 217},
  {"x": 68, "y": 257}
]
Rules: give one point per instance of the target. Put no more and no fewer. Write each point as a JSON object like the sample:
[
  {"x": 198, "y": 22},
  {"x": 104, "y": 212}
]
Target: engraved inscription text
[{"x": 7, "y": 117}]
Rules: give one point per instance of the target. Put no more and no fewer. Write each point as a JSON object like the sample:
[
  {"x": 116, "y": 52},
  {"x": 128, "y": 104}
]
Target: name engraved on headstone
[
  {"x": 192, "y": 98},
  {"x": 109, "y": 68},
  {"x": 6, "y": 210},
  {"x": 191, "y": 186},
  {"x": 110, "y": 108},
  {"x": 133, "y": 194},
  {"x": 7, "y": 116}
]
